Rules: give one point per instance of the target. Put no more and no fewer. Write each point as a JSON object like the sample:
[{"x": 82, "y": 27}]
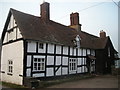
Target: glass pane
[
  {"x": 35, "y": 68},
  {"x": 11, "y": 62},
  {"x": 42, "y": 68},
  {"x": 35, "y": 59},
  {"x": 39, "y": 59},
  {"x": 38, "y": 68},
  {"x": 38, "y": 64},
  {"x": 42, "y": 59},
  {"x": 11, "y": 69},
  {"x": 35, "y": 64}
]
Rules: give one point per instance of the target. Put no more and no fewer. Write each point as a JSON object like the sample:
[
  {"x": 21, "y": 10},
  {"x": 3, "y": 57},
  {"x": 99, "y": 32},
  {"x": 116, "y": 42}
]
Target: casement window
[
  {"x": 72, "y": 64},
  {"x": 40, "y": 45},
  {"x": 38, "y": 64},
  {"x": 10, "y": 66}
]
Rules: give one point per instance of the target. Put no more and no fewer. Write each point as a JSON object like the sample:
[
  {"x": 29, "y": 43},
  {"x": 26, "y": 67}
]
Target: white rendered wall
[
  {"x": 58, "y": 49},
  {"x": 50, "y": 48},
  {"x": 58, "y": 73},
  {"x": 65, "y": 50},
  {"x": 14, "y": 33},
  {"x": 31, "y": 46},
  {"x": 50, "y": 60},
  {"x": 14, "y": 52}
]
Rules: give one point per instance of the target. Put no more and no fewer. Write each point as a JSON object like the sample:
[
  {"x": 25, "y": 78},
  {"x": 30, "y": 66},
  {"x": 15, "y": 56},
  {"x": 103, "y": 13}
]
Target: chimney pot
[
  {"x": 102, "y": 34},
  {"x": 74, "y": 18}
]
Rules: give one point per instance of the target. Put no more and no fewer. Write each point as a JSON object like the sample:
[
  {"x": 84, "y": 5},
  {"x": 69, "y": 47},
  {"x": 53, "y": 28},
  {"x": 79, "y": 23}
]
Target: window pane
[
  {"x": 35, "y": 68},
  {"x": 38, "y": 64},
  {"x": 11, "y": 62},
  {"x": 42, "y": 68},
  {"x": 11, "y": 69},
  {"x": 42, "y": 59},
  {"x": 35, "y": 59},
  {"x": 38, "y": 68},
  {"x": 39, "y": 59}
]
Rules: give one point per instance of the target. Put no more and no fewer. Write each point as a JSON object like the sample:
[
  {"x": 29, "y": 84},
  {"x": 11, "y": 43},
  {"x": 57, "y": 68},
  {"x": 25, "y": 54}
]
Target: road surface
[{"x": 104, "y": 81}]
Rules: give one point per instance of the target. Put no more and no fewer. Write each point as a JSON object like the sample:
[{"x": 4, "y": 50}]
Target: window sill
[
  {"x": 38, "y": 70},
  {"x": 73, "y": 71},
  {"x": 2, "y": 71},
  {"x": 9, "y": 74}
]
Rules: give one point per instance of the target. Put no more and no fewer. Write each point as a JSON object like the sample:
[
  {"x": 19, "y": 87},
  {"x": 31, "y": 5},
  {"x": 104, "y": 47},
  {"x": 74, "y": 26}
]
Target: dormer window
[{"x": 77, "y": 41}]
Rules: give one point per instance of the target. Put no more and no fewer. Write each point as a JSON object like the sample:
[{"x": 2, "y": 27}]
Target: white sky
[{"x": 95, "y": 15}]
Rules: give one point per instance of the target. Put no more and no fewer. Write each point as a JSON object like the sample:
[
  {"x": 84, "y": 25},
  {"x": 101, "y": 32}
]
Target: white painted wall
[
  {"x": 29, "y": 61},
  {"x": 14, "y": 34},
  {"x": 84, "y": 52},
  {"x": 31, "y": 46},
  {"x": 79, "y": 70},
  {"x": 14, "y": 52},
  {"x": 71, "y": 51},
  {"x": 74, "y": 51},
  {"x": 58, "y": 60},
  {"x": 50, "y": 60},
  {"x": 11, "y": 23},
  {"x": 65, "y": 60},
  {"x": 58, "y": 73},
  {"x": 18, "y": 33},
  {"x": 50, "y": 72},
  {"x": 79, "y": 61},
  {"x": 64, "y": 71},
  {"x": 58, "y": 49},
  {"x": 65, "y": 50},
  {"x": 88, "y": 51},
  {"x": 79, "y": 52},
  {"x": 50, "y": 48},
  {"x": 28, "y": 72}
]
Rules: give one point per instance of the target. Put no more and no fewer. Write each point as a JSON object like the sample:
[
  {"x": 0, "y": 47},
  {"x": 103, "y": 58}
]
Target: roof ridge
[{"x": 89, "y": 34}]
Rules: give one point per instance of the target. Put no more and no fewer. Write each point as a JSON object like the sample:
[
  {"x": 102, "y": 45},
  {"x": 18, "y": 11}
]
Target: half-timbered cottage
[{"x": 38, "y": 47}]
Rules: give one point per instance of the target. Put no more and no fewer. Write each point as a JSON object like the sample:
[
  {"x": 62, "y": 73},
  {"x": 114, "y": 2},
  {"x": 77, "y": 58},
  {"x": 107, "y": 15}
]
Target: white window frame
[
  {"x": 40, "y": 64},
  {"x": 72, "y": 64},
  {"x": 10, "y": 66}
]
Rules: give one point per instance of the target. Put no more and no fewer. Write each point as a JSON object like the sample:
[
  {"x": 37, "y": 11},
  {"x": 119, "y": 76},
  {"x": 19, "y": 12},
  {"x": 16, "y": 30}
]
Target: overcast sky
[{"x": 95, "y": 15}]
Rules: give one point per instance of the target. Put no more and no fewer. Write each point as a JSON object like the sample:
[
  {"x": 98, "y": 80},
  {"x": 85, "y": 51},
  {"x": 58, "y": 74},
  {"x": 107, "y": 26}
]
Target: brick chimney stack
[
  {"x": 74, "y": 21},
  {"x": 45, "y": 11},
  {"x": 102, "y": 34},
  {"x": 74, "y": 18}
]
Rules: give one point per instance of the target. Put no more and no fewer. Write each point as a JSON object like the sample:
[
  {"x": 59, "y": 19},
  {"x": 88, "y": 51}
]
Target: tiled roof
[{"x": 35, "y": 28}]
